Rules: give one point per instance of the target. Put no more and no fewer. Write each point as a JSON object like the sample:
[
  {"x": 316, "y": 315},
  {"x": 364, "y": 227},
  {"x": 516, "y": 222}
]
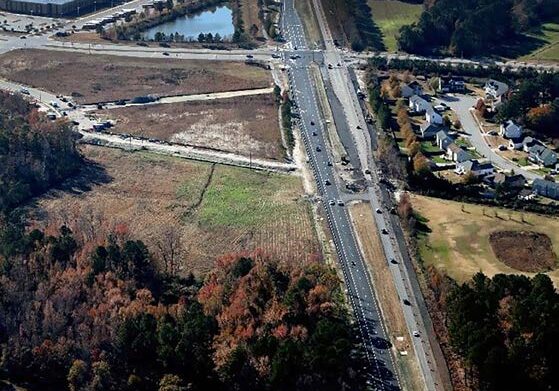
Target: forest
[
  {"x": 99, "y": 314},
  {"x": 506, "y": 328},
  {"x": 35, "y": 153},
  {"x": 473, "y": 27}
]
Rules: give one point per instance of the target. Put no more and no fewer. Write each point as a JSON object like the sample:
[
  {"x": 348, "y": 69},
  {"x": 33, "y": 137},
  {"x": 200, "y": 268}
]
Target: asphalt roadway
[
  {"x": 358, "y": 284},
  {"x": 350, "y": 124}
]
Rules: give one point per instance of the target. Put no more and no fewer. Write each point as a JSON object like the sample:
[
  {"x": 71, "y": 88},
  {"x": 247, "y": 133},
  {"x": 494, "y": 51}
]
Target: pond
[{"x": 218, "y": 20}]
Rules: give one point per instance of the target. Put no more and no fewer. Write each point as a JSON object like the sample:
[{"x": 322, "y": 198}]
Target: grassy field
[
  {"x": 549, "y": 34},
  {"x": 390, "y": 15},
  {"x": 98, "y": 78},
  {"x": 213, "y": 209},
  {"x": 244, "y": 125},
  {"x": 458, "y": 243}
]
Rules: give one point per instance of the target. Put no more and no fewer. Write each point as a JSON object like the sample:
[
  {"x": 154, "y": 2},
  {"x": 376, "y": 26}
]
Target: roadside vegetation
[
  {"x": 35, "y": 153},
  {"x": 182, "y": 210},
  {"x": 391, "y": 15}
]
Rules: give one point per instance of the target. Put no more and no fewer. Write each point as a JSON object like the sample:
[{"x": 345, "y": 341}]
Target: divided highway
[{"x": 360, "y": 291}]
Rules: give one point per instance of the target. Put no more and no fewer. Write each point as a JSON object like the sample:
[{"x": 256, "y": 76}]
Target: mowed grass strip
[
  {"x": 390, "y": 15},
  {"x": 458, "y": 243}
]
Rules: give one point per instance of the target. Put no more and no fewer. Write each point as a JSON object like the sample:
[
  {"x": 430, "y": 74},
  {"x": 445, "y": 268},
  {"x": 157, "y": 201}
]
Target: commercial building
[{"x": 51, "y": 8}]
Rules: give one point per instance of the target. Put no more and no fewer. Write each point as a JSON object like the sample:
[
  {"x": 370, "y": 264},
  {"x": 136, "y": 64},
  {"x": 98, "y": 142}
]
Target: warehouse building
[{"x": 51, "y": 8}]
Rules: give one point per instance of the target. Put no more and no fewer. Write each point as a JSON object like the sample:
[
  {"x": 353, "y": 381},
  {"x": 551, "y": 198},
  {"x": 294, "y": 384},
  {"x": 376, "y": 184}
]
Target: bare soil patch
[
  {"x": 92, "y": 78},
  {"x": 526, "y": 251},
  {"x": 244, "y": 125},
  {"x": 212, "y": 209}
]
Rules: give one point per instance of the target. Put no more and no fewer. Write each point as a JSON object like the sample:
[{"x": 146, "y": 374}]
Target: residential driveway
[{"x": 461, "y": 104}]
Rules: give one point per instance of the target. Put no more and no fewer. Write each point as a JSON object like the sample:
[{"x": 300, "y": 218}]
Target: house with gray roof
[
  {"x": 545, "y": 188},
  {"x": 418, "y": 105},
  {"x": 455, "y": 153},
  {"x": 475, "y": 167},
  {"x": 428, "y": 131},
  {"x": 510, "y": 130},
  {"x": 542, "y": 155}
]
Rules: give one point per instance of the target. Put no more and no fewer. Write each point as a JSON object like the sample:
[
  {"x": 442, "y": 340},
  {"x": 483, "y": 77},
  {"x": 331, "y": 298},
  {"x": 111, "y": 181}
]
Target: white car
[
  {"x": 378, "y": 210},
  {"x": 416, "y": 333},
  {"x": 332, "y": 202}
]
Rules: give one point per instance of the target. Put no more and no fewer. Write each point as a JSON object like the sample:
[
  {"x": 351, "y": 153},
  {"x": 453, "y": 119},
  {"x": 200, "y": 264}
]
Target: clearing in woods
[
  {"x": 458, "y": 242},
  {"x": 390, "y": 16},
  {"x": 101, "y": 78},
  {"x": 388, "y": 299},
  {"x": 244, "y": 125},
  {"x": 212, "y": 209}
]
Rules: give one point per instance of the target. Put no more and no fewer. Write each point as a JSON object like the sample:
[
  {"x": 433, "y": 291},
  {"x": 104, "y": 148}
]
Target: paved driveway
[{"x": 461, "y": 104}]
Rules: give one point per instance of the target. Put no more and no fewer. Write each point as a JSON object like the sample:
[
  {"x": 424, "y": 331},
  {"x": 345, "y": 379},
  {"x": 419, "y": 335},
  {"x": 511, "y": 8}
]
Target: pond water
[{"x": 218, "y": 20}]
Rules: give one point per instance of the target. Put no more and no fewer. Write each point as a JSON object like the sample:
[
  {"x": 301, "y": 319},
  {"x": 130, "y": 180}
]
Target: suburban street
[{"x": 462, "y": 106}]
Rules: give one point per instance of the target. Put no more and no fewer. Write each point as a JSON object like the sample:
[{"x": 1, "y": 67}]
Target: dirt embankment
[{"x": 524, "y": 250}]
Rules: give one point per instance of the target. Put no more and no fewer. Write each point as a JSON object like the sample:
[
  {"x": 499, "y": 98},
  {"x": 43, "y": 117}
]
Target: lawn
[
  {"x": 428, "y": 147},
  {"x": 390, "y": 15},
  {"x": 458, "y": 243},
  {"x": 213, "y": 209},
  {"x": 549, "y": 34}
]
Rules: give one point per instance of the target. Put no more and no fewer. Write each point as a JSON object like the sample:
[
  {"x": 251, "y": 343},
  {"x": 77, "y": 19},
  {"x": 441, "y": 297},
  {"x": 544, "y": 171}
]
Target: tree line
[
  {"x": 507, "y": 330},
  {"x": 467, "y": 28}
]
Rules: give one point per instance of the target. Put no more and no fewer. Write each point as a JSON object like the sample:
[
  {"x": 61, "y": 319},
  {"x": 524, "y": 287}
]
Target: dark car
[
  {"x": 165, "y": 53},
  {"x": 406, "y": 302},
  {"x": 318, "y": 148},
  {"x": 312, "y": 123}
]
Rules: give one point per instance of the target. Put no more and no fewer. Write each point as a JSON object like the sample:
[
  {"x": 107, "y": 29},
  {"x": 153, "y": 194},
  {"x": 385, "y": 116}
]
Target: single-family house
[
  {"x": 516, "y": 143},
  {"x": 455, "y": 153},
  {"x": 528, "y": 143},
  {"x": 418, "y": 105},
  {"x": 542, "y": 155},
  {"x": 409, "y": 89},
  {"x": 429, "y": 131},
  {"x": 510, "y": 130},
  {"x": 442, "y": 139},
  {"x": 432, "y": 116},
  {"x": 451, "y": 84},
  {"x": 516, "y": 181},
  {"x": 546, "y": 188},
  {"x": 475, "y": 167},
  {"x": 495, "y": 89}
]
